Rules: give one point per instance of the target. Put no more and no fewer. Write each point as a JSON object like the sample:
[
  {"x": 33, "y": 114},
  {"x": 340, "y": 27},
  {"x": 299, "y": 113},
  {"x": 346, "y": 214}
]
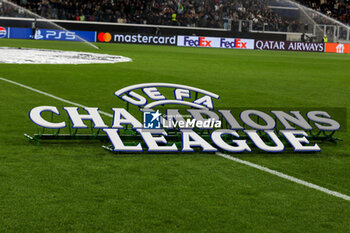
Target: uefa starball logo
[{"x": 178, "y": 118}]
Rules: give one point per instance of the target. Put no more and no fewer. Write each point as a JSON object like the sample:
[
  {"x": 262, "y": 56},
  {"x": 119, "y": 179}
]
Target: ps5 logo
[
  {"x": 54, "y": 35},
  {"x": 38, "y": 35},
  {"x": 181, "y": 95}
]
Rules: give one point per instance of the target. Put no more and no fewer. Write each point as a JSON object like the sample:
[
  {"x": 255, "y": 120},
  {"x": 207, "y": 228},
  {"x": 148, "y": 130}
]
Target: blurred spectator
[
  {"x": 191, "y": 13},
  {"x": 338, "y": 9}
]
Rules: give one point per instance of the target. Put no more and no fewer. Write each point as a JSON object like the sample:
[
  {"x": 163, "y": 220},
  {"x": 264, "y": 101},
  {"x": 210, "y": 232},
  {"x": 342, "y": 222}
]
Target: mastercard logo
[{"x": 104, "y": 37}]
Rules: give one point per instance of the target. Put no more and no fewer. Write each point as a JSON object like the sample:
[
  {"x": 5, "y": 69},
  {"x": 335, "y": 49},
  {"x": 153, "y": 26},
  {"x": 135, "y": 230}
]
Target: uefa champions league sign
[{"x": 195, "y": 125}]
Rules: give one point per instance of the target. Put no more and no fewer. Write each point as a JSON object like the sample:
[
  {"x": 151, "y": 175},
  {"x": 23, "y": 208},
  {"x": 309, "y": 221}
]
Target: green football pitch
[{"x": 74, "y": 186}]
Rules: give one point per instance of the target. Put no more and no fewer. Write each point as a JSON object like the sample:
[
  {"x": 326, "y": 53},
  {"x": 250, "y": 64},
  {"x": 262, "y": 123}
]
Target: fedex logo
[
  {"x": 215, "y": 42},
  {"x": 232, "y": 43},
  {"x": 199, "y": 42}
]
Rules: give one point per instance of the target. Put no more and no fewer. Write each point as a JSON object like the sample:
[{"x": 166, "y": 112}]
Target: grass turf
[{"x": 80, "y": 187}]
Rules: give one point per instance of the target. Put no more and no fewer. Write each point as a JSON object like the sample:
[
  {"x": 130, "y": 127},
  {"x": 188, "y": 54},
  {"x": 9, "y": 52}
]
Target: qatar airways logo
[
  {"x": 289, "y": 46},
  {"x": 165, "y": 117}
]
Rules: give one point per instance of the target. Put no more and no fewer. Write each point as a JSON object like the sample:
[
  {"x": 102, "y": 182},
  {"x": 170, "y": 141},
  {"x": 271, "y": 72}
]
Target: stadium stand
[
  {"x": 194, "y": 13},
  {"x": 339, "y": 10}
]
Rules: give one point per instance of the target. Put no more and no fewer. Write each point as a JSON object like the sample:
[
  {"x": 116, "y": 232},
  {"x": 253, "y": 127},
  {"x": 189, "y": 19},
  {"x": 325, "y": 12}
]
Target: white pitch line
[
  {"x": 261, "y": 168},
  {"x": 287, "y": 177},
  {"x": 50, "y": 95}
]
